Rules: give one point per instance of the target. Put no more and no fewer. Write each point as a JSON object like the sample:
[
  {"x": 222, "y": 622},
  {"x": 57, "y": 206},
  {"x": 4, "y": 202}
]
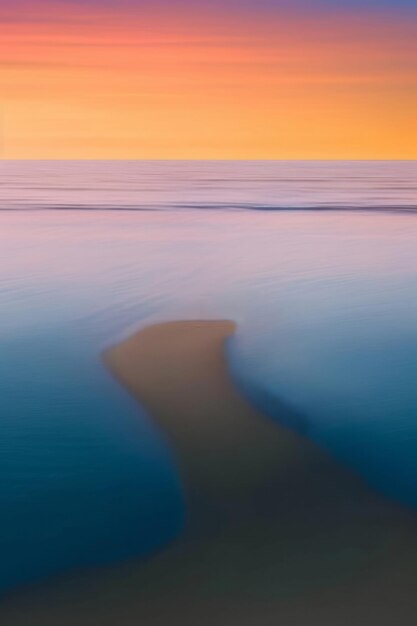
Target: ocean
[{"x": 315, "y": 261}]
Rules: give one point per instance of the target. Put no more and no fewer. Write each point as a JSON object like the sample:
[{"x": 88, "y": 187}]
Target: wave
[{"x": 217, "y": 206}]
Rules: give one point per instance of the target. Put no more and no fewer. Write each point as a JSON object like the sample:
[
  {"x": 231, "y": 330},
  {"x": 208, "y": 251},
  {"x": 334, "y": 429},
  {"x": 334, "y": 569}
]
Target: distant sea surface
[
  {"x": 239, "y": 185},
  {"x": 316, "y": 262}
]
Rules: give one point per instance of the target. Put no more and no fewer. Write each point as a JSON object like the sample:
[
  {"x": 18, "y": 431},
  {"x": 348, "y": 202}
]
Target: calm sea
[{"x": 316, "y": 261}]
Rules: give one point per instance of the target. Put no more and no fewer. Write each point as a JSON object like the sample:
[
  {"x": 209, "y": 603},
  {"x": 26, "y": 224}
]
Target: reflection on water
[{"x": 326, "y": 304}]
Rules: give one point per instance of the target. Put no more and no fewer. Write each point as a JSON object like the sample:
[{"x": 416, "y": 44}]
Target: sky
[{"x": 200, "y": 79}]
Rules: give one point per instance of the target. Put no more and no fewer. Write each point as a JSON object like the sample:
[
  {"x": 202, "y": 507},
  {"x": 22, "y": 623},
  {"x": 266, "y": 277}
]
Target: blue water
[{"x": 325, "y": 300}]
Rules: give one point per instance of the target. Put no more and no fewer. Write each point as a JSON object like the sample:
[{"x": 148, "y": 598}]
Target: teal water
[
  {"x": 84, "y": 477},
  {"x": 326, "y": 306}
]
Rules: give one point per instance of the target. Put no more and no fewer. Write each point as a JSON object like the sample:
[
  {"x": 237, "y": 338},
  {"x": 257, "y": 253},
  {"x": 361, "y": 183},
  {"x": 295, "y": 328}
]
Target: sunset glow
[{"x": 197, "y": 80}]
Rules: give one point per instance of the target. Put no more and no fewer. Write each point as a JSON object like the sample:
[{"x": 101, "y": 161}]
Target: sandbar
[{"x": 276, "y": 531}]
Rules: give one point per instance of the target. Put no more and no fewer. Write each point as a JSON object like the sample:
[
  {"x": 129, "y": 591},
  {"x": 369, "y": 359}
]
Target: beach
[{"x": 275, "y": 530}]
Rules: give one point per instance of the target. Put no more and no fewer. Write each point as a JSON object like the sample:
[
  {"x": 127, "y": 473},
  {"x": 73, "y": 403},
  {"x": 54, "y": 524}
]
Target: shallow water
[{"x": 326, "y": 302}]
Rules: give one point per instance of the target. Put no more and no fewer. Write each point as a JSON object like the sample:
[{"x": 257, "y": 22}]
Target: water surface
[{"x": 322, "y": 283}]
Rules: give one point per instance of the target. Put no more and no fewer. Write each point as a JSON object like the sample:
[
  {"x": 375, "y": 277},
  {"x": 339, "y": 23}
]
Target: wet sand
[{"x": 276, "y": 531}]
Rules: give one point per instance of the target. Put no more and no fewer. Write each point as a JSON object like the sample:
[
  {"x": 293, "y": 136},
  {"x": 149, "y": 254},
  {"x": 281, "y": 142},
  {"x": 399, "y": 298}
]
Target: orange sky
[{"x": 96, "y": 83}]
